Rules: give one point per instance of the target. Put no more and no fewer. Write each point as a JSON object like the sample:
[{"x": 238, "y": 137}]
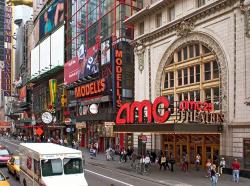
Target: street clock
[{"x": 47, "y": 117}]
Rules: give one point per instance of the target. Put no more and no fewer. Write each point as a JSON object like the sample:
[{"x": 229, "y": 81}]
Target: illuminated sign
[
  {"x": 151, "y": 109},
  {"x": 90, "y": 88},
  {"x": 198, "y": 112},
  {"x": 118, "y": 71}
]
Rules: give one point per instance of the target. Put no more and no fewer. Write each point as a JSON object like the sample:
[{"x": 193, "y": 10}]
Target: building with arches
[{"x": 194, "y": 51}]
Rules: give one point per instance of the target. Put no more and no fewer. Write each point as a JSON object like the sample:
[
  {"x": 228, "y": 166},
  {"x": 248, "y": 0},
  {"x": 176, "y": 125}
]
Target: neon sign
[
  {"x": 118, "y": 70},
  {"x": 151, "y": 110}
]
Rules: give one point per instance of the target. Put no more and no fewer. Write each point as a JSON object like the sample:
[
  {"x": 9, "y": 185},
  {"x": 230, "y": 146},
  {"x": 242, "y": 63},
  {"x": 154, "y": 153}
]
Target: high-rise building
[{"x": 2, "y": 8}]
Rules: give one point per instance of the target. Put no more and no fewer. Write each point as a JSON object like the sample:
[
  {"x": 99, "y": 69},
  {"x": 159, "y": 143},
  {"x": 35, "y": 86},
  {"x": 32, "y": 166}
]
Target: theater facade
[{"x": 192, "y": 82}]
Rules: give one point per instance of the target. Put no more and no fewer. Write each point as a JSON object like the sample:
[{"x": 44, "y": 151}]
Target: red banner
[{"x": 71, "y": 71}]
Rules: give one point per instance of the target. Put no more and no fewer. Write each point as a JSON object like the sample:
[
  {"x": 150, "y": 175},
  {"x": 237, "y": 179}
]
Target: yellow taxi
[
  {"x": 13, "y": 166},
  {"x": 3, "y": 180}
]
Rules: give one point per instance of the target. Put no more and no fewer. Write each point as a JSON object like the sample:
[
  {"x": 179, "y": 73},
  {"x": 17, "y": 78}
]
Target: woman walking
[{"x": 214, "y": 176}]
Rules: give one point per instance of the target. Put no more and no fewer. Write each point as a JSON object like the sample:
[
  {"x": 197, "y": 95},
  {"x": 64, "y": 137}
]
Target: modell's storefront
[{"x": 184, "y": 127}]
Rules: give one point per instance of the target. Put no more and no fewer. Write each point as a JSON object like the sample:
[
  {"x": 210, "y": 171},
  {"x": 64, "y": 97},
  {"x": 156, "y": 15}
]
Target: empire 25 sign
[{"x": 152, "y": 111}]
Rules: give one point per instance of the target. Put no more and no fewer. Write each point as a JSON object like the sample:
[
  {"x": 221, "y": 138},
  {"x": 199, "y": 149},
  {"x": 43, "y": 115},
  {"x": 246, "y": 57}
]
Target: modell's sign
[
  {"x": 158, "y": 112},
  {"x": 90, "y": 88},
  {"x": 118, "y": 71}
]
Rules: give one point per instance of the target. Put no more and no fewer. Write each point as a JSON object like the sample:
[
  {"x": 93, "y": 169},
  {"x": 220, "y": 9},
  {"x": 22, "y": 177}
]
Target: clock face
[{"x": 47, "y": 117}]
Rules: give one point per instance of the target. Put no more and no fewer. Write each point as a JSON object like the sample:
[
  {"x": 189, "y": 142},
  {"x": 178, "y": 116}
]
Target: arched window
[{"x": 192, "y": 74}]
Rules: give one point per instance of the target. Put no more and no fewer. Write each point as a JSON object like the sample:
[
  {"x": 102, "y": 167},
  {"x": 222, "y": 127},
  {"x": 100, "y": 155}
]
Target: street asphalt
[{"x": 95, "y": 175}]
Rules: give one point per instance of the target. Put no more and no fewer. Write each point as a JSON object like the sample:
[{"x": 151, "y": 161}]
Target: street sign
[
  {"x": 68, "y": 130},
  {"x": 67, "y": 121},
  {"x": 39, "y": 131}
]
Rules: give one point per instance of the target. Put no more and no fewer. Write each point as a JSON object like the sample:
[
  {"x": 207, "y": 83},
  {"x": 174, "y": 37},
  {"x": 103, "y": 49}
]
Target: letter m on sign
[
  {"x": 118, "y": 53},
  {"x": 140, "y": 106}
]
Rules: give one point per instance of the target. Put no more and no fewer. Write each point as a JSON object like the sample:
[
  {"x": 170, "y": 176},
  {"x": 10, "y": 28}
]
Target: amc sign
[{"x": 151, "y": 110}]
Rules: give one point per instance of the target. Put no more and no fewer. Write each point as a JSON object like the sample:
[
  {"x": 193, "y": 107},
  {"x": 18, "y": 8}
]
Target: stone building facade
[{"x": 166, "y": 35}]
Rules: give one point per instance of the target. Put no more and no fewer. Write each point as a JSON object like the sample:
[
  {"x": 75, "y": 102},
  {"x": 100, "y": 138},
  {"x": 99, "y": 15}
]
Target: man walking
[{"x": 236, "y": 170}]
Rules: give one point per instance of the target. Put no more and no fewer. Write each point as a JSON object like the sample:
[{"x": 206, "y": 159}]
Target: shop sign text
[{"x": 118, "y": 72}]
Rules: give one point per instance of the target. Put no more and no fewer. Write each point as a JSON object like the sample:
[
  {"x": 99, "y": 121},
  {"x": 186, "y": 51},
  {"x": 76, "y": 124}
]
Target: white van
[{"x": 48, "y": 164}]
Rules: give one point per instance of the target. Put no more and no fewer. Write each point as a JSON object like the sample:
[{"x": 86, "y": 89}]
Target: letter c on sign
[{"x": 158, "y": 118}]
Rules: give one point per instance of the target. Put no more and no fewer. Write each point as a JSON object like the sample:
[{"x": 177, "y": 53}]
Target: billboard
[
  {"x": 51, "y": 18},
  {"x": 85, "y": 64},
  {"x": 105, "y": 52}
]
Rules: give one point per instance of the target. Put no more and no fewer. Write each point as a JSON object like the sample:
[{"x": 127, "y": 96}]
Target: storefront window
[{"x": 246, "y": 149}]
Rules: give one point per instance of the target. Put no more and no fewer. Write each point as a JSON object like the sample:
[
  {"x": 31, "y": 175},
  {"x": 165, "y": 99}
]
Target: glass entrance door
[{"x": 212, "y": 153}]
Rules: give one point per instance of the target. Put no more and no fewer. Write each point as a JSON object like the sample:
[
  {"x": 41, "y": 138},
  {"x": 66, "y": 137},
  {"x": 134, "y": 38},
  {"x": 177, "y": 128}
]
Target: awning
[
  {"x": 5, "y": 124},
  {"x": 170, "y": 128}
]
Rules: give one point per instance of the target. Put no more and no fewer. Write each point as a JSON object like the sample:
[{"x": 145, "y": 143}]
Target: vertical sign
[
  {"x": 118, "y": 86},
  {"x": 53, "y": 91},
  {"x": 6, "y": 81}
]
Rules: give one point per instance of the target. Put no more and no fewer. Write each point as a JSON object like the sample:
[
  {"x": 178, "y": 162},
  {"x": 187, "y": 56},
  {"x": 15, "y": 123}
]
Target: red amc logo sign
[{"x": 152, "y": 111}]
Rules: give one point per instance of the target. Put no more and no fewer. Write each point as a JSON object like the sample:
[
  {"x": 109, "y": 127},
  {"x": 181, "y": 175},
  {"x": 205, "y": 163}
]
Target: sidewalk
[{"x": 178, "y": 177}]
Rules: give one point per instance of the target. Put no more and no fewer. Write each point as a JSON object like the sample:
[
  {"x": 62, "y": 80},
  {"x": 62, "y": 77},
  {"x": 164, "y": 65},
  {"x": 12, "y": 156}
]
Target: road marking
[{"x": 124, "y": 183}]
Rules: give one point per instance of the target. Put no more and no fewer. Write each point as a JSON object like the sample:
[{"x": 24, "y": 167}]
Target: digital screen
[
  {"x": 51, "y": 18},
  {"x": 105, "y": 52}
]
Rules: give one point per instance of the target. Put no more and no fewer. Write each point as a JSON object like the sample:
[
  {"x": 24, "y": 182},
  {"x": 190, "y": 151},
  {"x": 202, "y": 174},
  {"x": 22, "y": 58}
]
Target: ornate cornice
[
  {"x": 184, "y": 28},
  {"x": 189, "y": 19}
]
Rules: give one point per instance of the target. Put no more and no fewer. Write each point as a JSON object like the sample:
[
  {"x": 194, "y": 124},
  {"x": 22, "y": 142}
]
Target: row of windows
[
  {"x": 210, "y": 95},
  {"x": 192, "y": 74},
  {"x": 171, "y": 16}
]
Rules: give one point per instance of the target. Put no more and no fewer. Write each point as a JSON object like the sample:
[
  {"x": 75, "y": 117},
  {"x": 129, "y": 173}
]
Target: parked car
[
  {"x": 14, "y": 166},
  {"x": 4, "y": 155},
  {"x": 3, "y": 180}
]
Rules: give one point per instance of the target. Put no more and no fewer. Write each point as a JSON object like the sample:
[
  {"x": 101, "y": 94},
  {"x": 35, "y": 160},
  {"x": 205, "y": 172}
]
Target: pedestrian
[
  {"x": 186, "y": 161},
  {"x": 197, "y": 162},
  {"x": 172, "y": 162},
  {"x": 208, "y": 168},
  {"x": 222, "y": 165},
  {"x": 162, "y": 161},
  {"x": 236, "y": 170},
  {"x": 214, "y": 176},
  {"x": 96, "y": 147}
]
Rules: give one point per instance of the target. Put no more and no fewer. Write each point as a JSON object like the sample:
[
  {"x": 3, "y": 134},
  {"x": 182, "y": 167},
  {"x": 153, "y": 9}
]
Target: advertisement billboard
[
  {"x": 51, "y": 18},
  {"x": 105, "y": 52},
  {"x": 85, "y": 64}
]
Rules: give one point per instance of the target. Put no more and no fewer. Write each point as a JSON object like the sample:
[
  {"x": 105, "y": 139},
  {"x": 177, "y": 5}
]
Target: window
[
  {"x": 51, "y": 167},
  {"x": 191, "y": 51},
  {"x": 185, "y": 53},
  {"x": 171, "y": 14},
  {"x": 166, "y": 81},
  {"x": 179, "y": 56},
  {"x": 158, "y": 21},
  {"x": 191, "y": 95},
  {"x": 72, "y": 165},
  {"x": 207, "y": 71},
  {"x": 215, "y": 70},
  {"x": 171, "y": 75},
  {"x": 179, "y": 77},
  {"x": 201, "y": 3},
  {"x": 197, "y": 50},
  {"x": 191, "y": 71},
  {"x": 205, "y": 50},
  {"x": 37, "y": 170},
  {"x": 197, "y": 95},
  {"x": 185, "y": 95},
  {"x": 185, "y": 71},
  {"x": 141, "y": 28},
  {"x": 169, "y": 80},
  {"x": 197, "y": 75},
  {"x": 246, "y": 149},
  {"x": 216, "y": 101},
  {"x": 207, "y": 93}
]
